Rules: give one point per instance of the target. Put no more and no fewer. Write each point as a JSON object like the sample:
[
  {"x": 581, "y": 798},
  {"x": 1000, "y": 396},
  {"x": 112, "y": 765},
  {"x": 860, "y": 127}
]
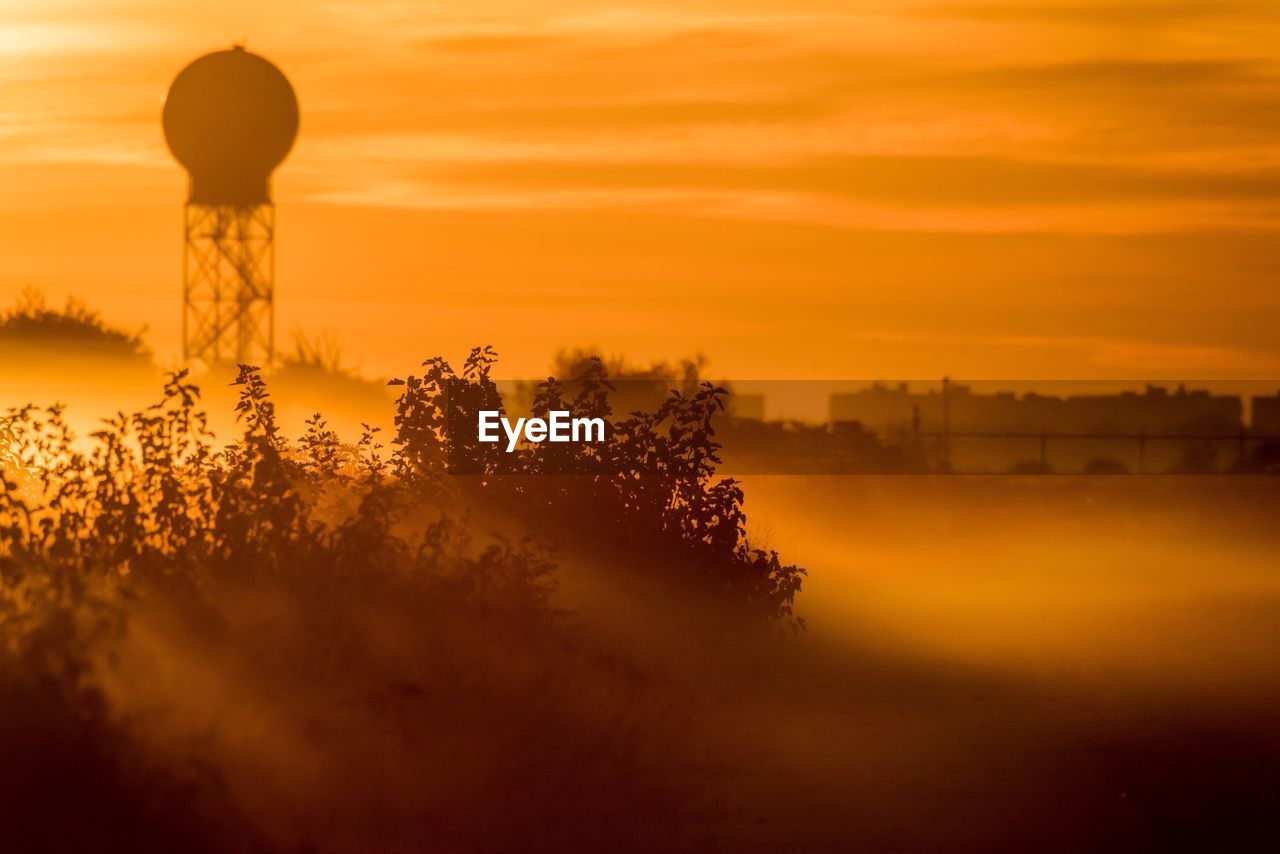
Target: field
[{"x": 1047, "y": 663}]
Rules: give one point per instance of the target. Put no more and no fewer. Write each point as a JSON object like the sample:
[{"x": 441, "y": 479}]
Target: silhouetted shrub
[
  {"x": 652, "y": 482},
  {"x": 1262, "y": 458},
  {"x": 1199, "y": 458},
  {"x": 31, "y": 326},
  {"x": 1105, "y": 465},
  {"x": 341, "y": 590},
  {"x": 1025, "y": 467}
]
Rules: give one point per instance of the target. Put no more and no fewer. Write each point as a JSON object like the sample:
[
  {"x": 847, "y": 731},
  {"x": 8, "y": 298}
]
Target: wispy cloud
[
  {"x": 1109, "y": 13},
  {"x": 931, "y": 182}
]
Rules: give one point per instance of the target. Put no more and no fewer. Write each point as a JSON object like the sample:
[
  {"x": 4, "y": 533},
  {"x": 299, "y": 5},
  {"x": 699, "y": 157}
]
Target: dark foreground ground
[
  {"x": 1033, "y": 664},
  {"x": 991, "y": 664}
]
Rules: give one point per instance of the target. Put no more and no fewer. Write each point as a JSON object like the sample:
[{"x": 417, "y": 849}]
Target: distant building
[
  {"x": 748, "y": 406},
  {"x": 1154, "y": 411},
  {"x": 1265, "y": 417}
]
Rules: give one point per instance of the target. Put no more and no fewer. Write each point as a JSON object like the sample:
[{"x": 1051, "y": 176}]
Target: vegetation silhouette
[
  {"x": 305, "y": 644},
  {"x": 652, "y": 483},
  {"x": 34, "y": 330},
  {"x": 1100, "y": 465},
  {"x": 346, "y": 583},
  {"x": 1031, "y": 467},
  {"x": 1263, "y": 458}
]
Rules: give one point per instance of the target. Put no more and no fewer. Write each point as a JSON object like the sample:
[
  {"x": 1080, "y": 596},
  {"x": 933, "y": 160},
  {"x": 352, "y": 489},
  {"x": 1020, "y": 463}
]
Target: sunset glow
[
  {"x": 905, "y": 189},
  {"x": 639, "y": 426}
]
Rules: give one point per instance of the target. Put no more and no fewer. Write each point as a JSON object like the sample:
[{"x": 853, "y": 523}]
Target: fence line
[{"x": 943, "y": 439}]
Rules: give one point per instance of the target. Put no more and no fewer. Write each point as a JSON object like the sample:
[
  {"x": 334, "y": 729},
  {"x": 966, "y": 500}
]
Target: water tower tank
[{"x": 230, "y": 119}]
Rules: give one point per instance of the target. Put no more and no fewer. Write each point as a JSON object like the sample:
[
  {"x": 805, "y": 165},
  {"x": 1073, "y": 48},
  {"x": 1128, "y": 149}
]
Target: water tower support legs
[{"x": 229, "y": 284}]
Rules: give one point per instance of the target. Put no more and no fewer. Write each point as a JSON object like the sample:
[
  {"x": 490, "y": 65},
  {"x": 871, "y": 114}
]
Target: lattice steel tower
[{"x": 230, "y": 119}]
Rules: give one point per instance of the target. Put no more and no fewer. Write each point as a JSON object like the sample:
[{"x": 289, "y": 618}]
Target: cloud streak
[{"x": 1115, "y": 13}]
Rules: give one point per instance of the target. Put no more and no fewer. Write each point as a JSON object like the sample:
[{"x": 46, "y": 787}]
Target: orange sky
[{"x": 1048, "y": 188}]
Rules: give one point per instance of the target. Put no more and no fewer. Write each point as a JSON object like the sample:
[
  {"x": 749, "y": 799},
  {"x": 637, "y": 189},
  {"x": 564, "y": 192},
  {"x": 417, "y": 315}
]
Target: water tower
[{"x": 230, "y": 119}]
